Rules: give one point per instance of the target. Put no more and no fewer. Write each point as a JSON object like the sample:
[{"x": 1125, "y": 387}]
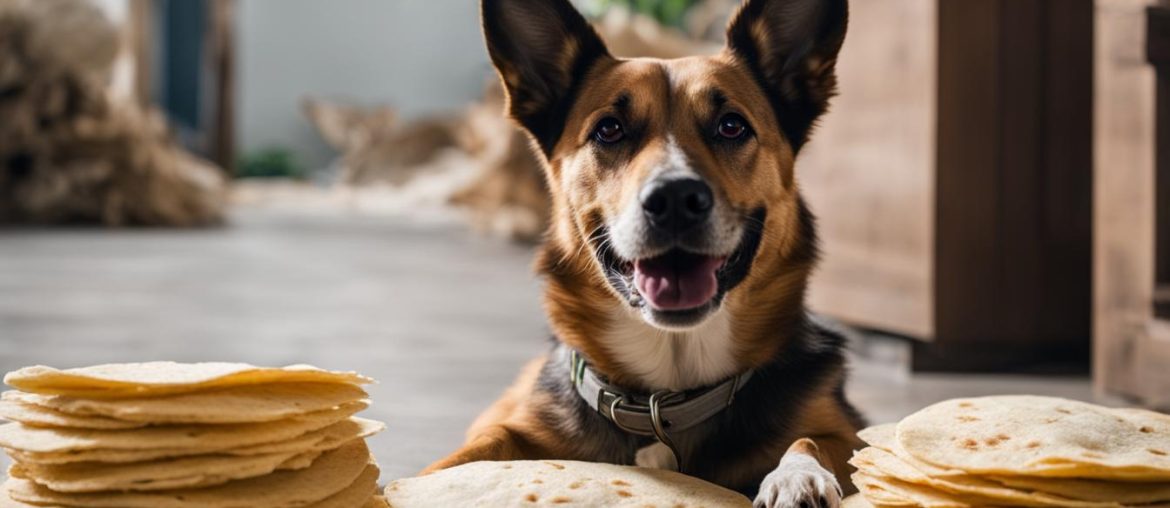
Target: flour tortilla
[
  {"x": 856, "y": 501},
  {"x": 198, "y": 471},
  {"x": 884, "y": 437},
  {"x": 327, "y": 438},
  {"x": 562, "y": 483},
  {"x": 358, "y": 493},
  {"x": 1127, "y": 493},
  {"x": 894, "y": 493},
  {"x": 205, "y": 438},
  {"x": 1040, "y": 436},
  {"x": 232, "y": 404},
  {"x": 38, "y": 416},
  {"x": 160, "y": 378},
  {"x": 971, "y": 489},
  {"x": 332, "y": 473}
]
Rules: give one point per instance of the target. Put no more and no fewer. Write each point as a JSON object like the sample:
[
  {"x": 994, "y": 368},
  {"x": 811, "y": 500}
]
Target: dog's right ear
[{"x": 542, "y": 49}]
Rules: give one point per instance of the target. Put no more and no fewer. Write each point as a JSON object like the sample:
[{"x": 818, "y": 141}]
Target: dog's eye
[
  {"x": 732, "y": 126},
  {"x": 609, "y": 131}
]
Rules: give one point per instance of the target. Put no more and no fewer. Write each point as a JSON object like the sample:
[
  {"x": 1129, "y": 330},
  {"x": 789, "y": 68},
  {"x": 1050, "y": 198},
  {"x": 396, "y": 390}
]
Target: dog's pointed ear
[
  {"x": 791, "y": 46},
  {"x": 542, "y": 49}
]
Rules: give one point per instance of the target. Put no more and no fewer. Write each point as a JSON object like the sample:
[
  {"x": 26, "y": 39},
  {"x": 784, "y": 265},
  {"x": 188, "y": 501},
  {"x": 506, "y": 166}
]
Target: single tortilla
[
  {"x": 38, "y": 416},
  {"x": 160, "y": 378},
  {"x": 231, "y": 404},
  {"x": 198, "y": 471},
  {"x": 1092, "y": 490},
  {"x": 888, "y": 492},
  {"x": 562, "y": 483},
  {"x": 1040, "y": 436},
  {"x": 329, "y": 475},
  {"x": 327, "y": 438},
  {"x": 359, "y": 493},
  {"x": 856, "y": 501},
  {"x": 205, "y": 438}
]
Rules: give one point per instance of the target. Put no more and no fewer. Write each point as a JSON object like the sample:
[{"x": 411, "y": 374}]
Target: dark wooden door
[{"x": 1013, "y": 229}]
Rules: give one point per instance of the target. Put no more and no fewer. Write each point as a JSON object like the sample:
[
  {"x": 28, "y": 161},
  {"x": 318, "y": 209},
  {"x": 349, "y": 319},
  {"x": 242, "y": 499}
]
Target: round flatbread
[
  {"x": 562, "y": 483},
  {"x": 974, "y": 490},
  {"x": 232, "y": 404},
  {"x": 884, "y": 437},
  {"x": 893, "y": 493},
  {"x": 327, "y": 438},
  {"x": 856, "y": 501},
  {"x": 359, "y": 493},
  {"x": 160, "y": 378},
  {"x": 1128, "y": 493},
  {"x": 197, "y": 471},
  {"x": 330, "y": 474},
  {"x": 206, "y": 438},
  {"x": 38, "y": 416},
  {"x": 1040, "y": 436}
]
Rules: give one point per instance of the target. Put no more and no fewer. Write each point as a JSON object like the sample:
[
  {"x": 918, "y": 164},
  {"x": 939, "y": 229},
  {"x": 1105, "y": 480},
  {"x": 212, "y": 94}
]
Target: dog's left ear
[
  {"x": 542, "y": 49},
  {"x": 791, "y": 46}
]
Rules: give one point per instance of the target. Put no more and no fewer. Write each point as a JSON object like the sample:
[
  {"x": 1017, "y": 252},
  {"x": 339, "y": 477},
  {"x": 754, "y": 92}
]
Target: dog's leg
[
  {"x": 510, "y": 429},
  {"x": 804, "y": 478},
  {"x": 497, "y": 442}
]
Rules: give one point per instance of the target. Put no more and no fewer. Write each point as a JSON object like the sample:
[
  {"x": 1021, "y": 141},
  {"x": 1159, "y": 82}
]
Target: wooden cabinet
[
  {"x": 1132, "y": 341},
  {"x": 954, "y": 181}
]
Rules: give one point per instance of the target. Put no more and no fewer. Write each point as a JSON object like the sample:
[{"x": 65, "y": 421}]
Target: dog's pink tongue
[{"x": 668, "y": 287}]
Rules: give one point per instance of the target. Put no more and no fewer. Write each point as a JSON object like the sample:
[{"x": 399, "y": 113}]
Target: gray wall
[{"x": 422, "y": 56}]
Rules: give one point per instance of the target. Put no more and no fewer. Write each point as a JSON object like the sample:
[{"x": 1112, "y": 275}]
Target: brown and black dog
[{"x": 678, "y": 255}]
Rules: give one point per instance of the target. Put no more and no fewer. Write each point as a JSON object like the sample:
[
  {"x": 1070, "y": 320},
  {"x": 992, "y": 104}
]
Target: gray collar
[{"x": 658, "y": 414}]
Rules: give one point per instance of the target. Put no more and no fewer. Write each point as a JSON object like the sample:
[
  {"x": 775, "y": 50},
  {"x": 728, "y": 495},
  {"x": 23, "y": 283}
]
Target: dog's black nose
[{"x": 677, "y": 205}]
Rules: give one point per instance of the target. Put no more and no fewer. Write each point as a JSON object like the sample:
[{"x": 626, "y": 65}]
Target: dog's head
[{"x": 675, "y": 175}]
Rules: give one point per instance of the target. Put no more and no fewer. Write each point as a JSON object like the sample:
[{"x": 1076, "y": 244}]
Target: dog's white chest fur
[{"x": 668, "y": 360}]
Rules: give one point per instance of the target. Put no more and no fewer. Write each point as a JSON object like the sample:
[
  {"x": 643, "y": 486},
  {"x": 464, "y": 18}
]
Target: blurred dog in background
[{"x": 506, "y": 194}]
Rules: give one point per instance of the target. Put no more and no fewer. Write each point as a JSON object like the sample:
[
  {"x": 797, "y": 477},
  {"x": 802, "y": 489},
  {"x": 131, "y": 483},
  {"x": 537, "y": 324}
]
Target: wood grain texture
[
  {"x": 1014, "y": 178},
  {"x": 869, "y": 172},
  {"x": 1131, "y": 348}
]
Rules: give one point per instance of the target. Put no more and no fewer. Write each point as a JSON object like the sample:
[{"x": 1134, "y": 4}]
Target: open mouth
[
  {"x": 679, "y": 287},
  {"x": 677, "y": 280}
]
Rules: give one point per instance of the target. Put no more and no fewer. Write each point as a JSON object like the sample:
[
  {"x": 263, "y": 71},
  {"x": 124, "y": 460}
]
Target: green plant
[
  {"x": 667, "y": 12},
  {"x": 275, "y": 162}
]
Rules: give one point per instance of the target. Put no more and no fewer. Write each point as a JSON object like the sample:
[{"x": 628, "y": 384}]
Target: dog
[{"x": 678, "y": 255}]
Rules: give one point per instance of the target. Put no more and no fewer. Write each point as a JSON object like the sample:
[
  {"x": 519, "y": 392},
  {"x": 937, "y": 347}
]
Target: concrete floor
[{"x": 442, "y": 318}]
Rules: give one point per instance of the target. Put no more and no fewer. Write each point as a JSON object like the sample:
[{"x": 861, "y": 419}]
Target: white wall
[{"x": 421, "y": 56}]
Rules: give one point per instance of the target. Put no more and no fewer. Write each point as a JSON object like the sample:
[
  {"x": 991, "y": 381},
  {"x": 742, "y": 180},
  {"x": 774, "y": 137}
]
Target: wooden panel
[
  {"x": 1131, "y": 349},
  {"x": 1158, "y": 52},
  {"x": 1014, "y": 176},
  {"x": 869, "y": 172}
]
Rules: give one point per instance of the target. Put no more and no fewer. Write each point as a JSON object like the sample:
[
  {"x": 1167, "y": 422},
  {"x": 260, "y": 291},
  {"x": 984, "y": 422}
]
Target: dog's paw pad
[{"x": 799, "y": 482}]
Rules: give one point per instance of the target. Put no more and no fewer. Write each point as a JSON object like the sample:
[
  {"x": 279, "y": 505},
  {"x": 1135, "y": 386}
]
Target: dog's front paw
[{"x": 799, "y": 482}]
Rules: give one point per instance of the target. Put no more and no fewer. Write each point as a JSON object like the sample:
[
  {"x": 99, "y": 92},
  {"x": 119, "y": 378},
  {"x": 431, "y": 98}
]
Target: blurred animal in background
[
  {"x": 377, "y": 148},
  {"x": 504, "y": 195},
  {"x": 69, "y": 151}
]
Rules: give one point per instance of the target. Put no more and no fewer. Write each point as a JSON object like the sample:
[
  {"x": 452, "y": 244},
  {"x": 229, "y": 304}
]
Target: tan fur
[
  {"x": 72, "y": 153},
  {"x": 591, "y": 187}
]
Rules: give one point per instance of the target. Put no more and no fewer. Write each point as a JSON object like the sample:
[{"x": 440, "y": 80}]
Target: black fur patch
[
  {"x": 547, "y": 93},
  {"x": 799, "y": 30}
]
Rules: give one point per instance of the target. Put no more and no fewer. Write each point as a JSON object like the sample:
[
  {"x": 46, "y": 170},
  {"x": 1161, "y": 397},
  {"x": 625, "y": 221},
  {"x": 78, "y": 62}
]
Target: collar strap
[{"x": 654, "y": 414}]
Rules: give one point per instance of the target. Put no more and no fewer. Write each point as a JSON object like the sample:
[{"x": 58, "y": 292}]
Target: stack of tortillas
[
  {"x": 162, "y": 435},
  {"x": 1017, "y": 451},
  {"x": 559, "y": 483}
]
